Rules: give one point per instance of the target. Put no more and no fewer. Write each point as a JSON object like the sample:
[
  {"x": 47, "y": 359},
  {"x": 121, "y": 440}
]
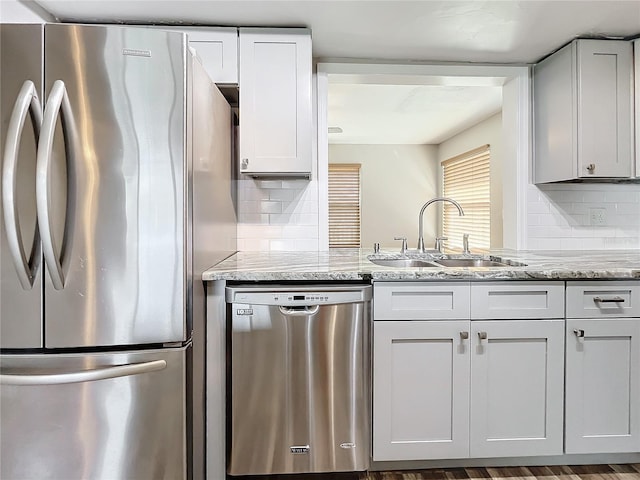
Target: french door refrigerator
[{"x": 115, "y": 197}]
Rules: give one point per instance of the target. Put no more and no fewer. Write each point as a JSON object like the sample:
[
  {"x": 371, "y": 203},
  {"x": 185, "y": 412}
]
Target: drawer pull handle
[
  {"x": 579, "y": 333},
  {"x": 464, "y": 335},
  {"x": 608, "y": 300},
  {"x": 482, "y": 335}
]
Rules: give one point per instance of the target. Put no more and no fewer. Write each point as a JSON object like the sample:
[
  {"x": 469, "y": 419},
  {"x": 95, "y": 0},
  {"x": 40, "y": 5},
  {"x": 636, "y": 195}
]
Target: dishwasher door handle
[{"x": 304, "y": 311}]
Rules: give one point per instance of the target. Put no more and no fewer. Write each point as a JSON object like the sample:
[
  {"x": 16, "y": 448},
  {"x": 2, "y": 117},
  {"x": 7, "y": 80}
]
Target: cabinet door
[
  {"x": 516, "y": 387},
  {"x": 420, "y": 390},
  {"x": 605, "y": 110},
  {"x": 275, "y": 101},
  {"x": 218, "y": 49},
  {"x": 602, "y": 386}
]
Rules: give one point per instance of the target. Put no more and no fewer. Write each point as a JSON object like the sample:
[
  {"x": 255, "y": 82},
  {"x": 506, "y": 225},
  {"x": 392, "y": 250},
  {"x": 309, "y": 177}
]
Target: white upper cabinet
[
  {"x": 275, "y": 102},
  {"x": 217, "y": 48},
  {"x": 583, "y": 112}
]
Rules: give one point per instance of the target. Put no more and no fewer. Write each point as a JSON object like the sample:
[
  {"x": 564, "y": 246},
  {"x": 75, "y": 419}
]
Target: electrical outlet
[{"x": 597, "y": 216}]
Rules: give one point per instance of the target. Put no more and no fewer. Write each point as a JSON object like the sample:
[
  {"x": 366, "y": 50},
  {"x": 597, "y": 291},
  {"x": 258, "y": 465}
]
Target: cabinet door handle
[
  {"x": 244, "y": 164},
  {"x": 579, "y": 333},
  {"x": 608, "y": 300},
  {"x": 482, "y": 335},
  {"x": 591, "y": 168},
  {"x": 464, "y": 335}
]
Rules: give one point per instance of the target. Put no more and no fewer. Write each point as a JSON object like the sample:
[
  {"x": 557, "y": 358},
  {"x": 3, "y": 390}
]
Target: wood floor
[{"x": 580, "y": 472}]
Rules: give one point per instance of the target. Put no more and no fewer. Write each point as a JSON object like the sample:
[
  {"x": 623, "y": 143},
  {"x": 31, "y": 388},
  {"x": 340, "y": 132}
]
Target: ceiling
[
  {"x": 406, "y": 114},
  {"x": 480, "y": 31}
]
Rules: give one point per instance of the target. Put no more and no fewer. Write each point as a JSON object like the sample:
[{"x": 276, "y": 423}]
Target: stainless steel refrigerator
[{"x": 116, "y": 195}]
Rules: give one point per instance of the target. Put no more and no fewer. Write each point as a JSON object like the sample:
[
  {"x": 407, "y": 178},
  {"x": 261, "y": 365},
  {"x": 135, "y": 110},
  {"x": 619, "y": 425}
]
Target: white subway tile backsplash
[
  {"x": 268, "y": 183},
  {"x": 300, "y": 231},
  {"x": 268, "y": 206},
  {"x": 282, "y": 244},
  {"x": 258, "y": 218},
  {"x": 629, "y": 221},
  {"x": 624, "y": 195},
  {"x": 305, "y": 245},
  {"x": 622, "y": 243},
  {"x": 281, "y": 195},
  {"x": 559, "y": 216},
  {"x": 545, "y": 231},
  {"x": 538, "y": 207},
  {"x": 278, "y": 215},
  {"x": 253, "y": 244},
  {"x": 624, "y": 208}
]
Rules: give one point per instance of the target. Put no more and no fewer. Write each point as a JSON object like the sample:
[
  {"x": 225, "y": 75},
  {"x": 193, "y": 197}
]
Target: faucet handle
[
  {"x": 439, "y": 243},
  {"x": 465, "y": 244},
  {"x": 403, "y": 248}
]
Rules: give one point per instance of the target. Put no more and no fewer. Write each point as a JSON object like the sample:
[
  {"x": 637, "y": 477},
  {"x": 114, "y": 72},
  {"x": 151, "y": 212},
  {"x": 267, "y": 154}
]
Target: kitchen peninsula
[{"x": 536, "y": 362}]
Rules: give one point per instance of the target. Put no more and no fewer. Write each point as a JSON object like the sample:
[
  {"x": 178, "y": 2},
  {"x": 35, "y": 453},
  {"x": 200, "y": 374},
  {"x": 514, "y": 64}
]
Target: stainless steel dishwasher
[{"x": 300, "y": 381}]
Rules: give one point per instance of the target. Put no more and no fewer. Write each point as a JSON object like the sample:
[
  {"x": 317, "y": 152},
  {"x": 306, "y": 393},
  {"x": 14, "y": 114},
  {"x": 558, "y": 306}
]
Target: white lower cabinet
[
  {"x": 516, "y": 388},
  {"x": 420, "y": 390},
  {"x": 494, "y": 370},
  {"x": 603, "y": 367},
  {"x": 462, "y": 388},
  {"x": 603, "y": 385}
]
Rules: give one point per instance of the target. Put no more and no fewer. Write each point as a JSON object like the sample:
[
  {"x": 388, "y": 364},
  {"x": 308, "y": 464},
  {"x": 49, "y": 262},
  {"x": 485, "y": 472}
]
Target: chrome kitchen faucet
[{"x": 420, "y": 218}]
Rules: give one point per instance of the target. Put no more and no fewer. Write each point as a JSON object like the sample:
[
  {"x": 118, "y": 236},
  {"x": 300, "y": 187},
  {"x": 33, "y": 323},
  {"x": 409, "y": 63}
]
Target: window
[
  {"x": 466, "y": 179},
  {"x": 344, "y": 205}
]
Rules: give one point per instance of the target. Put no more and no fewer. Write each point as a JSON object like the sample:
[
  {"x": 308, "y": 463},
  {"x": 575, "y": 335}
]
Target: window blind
[
  {"x": 466, "y": 179},
  {"x": 344, "y": 205}
]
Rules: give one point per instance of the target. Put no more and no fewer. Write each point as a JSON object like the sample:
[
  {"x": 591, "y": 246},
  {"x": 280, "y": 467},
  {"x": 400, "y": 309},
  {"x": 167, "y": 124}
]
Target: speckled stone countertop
[{"x": 353, "y": 264}]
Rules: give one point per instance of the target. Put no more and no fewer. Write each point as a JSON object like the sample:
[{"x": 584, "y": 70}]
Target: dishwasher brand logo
[
  {"x": 244, "y": 311},
  {"x": 347, "y": 445},
  {"x": 300, "y": 449}
]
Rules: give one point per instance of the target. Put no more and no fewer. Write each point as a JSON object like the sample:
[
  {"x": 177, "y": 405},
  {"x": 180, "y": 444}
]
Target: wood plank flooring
[
  {"x": 577, "y": 472},
  {"x": 580, "y": 472}
]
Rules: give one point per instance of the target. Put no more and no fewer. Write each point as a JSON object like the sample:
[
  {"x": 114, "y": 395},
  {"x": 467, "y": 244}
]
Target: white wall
[
  {"x": 487, "y": 132},
  {"x": 558, "y": 216},
  {"x": 13, "y": 11},
  {"x": 396, "y": 180}
]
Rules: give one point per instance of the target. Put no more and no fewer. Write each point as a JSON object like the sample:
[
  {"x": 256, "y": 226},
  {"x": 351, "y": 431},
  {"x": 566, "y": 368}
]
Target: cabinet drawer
[
  {"x": 603, "y": 299},
  {"x": 421, "y": 301},
  {"x": 512, "y": 300}
]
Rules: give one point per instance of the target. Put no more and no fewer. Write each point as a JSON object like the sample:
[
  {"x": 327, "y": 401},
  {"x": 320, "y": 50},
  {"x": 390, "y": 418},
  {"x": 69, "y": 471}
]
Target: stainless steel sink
[
  {"x": 403, "y": 262},
  {"x": 469, "y": 262}
]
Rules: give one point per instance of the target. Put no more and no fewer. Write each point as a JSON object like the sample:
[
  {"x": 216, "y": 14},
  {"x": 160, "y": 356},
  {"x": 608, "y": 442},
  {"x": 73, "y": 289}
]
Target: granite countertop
[{"x": 352, "y": 264}]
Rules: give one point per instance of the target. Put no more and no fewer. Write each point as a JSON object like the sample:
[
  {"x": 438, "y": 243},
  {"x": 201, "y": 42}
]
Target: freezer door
[
  {"x": 99, "y": 416},
  {"x": 111, "y": 195},
  {"x": 20, "y": 254}
]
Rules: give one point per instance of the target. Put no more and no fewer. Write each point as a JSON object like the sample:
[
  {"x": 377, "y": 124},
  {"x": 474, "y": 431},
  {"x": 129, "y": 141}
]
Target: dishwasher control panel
[{"x": 295, "y": 297}]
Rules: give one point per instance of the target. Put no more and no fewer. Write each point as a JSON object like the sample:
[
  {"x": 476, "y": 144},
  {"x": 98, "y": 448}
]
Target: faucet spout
[{"x": 420, "y": 218}]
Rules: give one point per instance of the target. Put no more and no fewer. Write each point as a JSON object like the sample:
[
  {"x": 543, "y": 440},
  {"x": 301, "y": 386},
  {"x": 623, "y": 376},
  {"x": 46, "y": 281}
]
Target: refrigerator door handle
[
  {"x": 27, "y": 102},
  {"x": 84, "y": 376},
  {"x": 57, "y": 102}
]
